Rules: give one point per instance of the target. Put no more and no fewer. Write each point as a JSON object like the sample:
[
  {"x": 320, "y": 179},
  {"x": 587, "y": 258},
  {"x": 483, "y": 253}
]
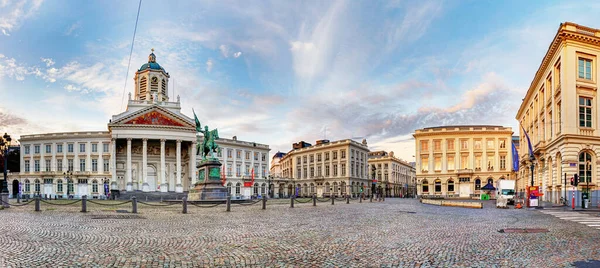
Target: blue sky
[{"x": 278, "y": 72}]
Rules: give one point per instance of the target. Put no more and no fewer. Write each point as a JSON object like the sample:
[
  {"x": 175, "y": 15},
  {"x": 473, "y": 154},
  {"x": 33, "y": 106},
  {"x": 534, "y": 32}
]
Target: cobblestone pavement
[{"x": 394, "y": 233}]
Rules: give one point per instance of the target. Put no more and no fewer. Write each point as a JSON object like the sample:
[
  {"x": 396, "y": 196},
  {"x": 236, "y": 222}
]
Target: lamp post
[
  {"x": 531, "y": 159},
  {"x": 68, "y": 175},
  {"x": 269, "y": 180},
  {"x": 4, "y": 144}
]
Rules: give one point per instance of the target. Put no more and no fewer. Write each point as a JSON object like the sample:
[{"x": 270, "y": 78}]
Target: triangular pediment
[{"x": 154, "y": 116}]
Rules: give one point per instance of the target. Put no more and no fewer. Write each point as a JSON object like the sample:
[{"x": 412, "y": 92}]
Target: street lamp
[
  {"x": 4, "y": 144},
  {"x": 269, "y": 180},
  {"x": 68, "y": 175}
]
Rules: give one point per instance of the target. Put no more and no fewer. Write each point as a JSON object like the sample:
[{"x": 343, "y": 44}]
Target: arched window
[
  {"x": 451, "y": 185},
  {"x": 69, "y": 186},
  {"x": 256, "y": 189},
  {"x": 27, "y": 186},
  {"x": 343, "y": 187},
  {"x": 94, "y": 186},
  {"x": 229, "y": 187},
  {"x": 59, "y": 186},
  {"x": 585, "y": 167},
  {"x": 264, "y": 188},
  {"x": 490, "y": 181},
  {"x": 327, "y": 186},
  {"x": 37, "y": 186},
  {"x": 438, "y": 186},
  {"x": 425, "y": 186},
  {"x": 237, "y": 188},
  {"x": 312, "y": 188},
  {"x": 477, "y": 184},
  {"x": 335, "y": 187}
]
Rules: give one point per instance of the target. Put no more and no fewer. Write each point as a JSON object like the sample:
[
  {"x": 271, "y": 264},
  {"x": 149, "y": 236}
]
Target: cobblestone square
[{"x": 394, "y": 233}]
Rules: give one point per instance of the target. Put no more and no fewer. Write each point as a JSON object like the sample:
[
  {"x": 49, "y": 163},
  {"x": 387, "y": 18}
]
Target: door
[
  {"x": 15, "y": 188},
  {"x": 82, "y": 189},
  {"x": 152, "y": 183},
  {"x": 465, "y": 190}
]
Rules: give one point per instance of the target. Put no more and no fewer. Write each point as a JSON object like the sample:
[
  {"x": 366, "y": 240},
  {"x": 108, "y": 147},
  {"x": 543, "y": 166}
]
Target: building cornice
[{"x": 65, "y": 135}]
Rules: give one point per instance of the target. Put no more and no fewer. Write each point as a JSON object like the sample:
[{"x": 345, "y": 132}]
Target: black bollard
[
  {"x": 184, "y": 205},
  {"x": 84, "y": 203},
  {"x": 292, "y": 202},
  {"x": 371, "y": 199},
  {"x": 332, "y": 199},
  {"x": 264, "y": 202},
  {"x": 314, "y": 200},
  {"x": 18, "y": 198},
  {"x": 37, "y": 203},
  {"x": 228, "y": 204},
  {"x": 134, "y": 205},
  {"x": 347, "y": 199},
  {"x": 360, "y": 198}
]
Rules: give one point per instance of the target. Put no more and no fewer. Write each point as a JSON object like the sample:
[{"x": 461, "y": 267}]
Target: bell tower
[{"x": 151, "y": 81}]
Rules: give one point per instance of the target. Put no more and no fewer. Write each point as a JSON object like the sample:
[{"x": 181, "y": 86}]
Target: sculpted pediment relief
[{"x": 154, "y": 118}]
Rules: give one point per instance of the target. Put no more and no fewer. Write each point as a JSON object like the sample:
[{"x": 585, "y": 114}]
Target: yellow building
[
  {"x": 456, "y": 161},
  {"x": 560, "y": 114},
  {"x": 395, "y": 176}
]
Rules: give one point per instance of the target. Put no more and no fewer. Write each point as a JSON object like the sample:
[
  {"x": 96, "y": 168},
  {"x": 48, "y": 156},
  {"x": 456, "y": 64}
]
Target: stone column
[
  {"x": 100, "y": 160},
  {"x": 193, "y": 163},
  {"x": 145, "y": 186},
  {"x": 178, "y": 186},
  {"x": 75, "y": 157},
  {"x": 88, "y": 159},
  {"x": 54, "y": 167},
  {"x": 113, "y": 163},
  {"x": 163, "y": 183},
  {"x": 128, "y": 176}
]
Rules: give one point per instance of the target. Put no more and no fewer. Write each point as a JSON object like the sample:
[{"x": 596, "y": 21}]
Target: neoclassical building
[
  {"x": 396, "y": 176},
  {"x": 325, "y": 169},
  {"x": 150, "y": 147},
  {"x": 456, "y": 161},
  {"x": 561, "y": 116}
]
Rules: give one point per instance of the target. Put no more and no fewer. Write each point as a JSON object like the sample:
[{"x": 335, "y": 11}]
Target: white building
[
  {"x": 395, "y": 176},
  {"x": 150, "y": 147}
]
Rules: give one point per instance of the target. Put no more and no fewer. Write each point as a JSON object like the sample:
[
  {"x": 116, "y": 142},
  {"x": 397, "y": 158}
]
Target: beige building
[
  {"x": 327, "y": 168},
  {"x": 560, "y": 114},
  {"x": 456, "y": 161},
  {"x": 395, "y": 176}
]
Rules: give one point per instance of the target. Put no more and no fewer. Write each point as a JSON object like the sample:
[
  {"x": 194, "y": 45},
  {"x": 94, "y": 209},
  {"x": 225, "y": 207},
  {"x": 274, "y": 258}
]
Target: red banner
[
  {"x": 247, "y": 184},
  {"x": 223, "y": 179}
]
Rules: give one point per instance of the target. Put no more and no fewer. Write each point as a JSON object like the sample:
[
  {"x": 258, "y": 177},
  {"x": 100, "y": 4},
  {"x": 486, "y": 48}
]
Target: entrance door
[
  {"x": 15, "y": 188},
  {"x": 152, "y": 178},
  {"x": 465, "y": 190},
  {"x": 82, "y": 189},
  {"x": 48, "y": 187}
]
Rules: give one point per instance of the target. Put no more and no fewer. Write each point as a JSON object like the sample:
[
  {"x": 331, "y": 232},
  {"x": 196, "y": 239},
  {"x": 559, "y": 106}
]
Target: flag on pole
[
  {"x": 223, "y": 179},
  {"x": 515, "y": 157},
  {"x": 528, "y": 142},
  {"x": 252, "y": 175}
]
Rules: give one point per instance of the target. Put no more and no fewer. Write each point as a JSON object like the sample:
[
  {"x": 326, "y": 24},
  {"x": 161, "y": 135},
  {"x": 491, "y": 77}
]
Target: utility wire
[{"x": 130, "y": 53}]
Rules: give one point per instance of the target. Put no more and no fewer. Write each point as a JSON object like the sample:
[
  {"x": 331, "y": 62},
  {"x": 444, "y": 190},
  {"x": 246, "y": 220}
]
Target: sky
[{"x": 278, "y": 72}]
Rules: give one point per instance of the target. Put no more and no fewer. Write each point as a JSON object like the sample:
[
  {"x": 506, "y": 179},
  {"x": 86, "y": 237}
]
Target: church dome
[{"x": 152, "y": 64}]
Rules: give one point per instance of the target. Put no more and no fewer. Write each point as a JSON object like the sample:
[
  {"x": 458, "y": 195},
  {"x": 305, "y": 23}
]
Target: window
[
  {"x": 477, "y": 184},
  {"x": 94, "y": 165},
  {"x": 48, "y": 165},
  {"x": 478, "y": 144},
  {"x": 550, "y": 125},
  {"x": 105, "y": 147},
  {"x": 229, "y": 170},
  {"x": 585, "y": 112},
  {"x": 327, "y": 171},
  {"x": 450, "y": 145},
  {"x": 70, "y": 186},
  {"x": 59, "y": 186},
  {"x": 37, "y": 149},
  {"x": 94, "y": 148},
  {"x": 229, "y": 153},
  {"x": 343, "y": 154},
  {"x": 334, "y": 155},
  {"x": 585, "y": 68},
  {"x": 106, "y": 165},
  {"x": 304, "y": 159},
  {"x": 438, "y": 186},
  {"x": 219, "y": 153},
  {"x": 255, "y": 156},
  {"x": 247, "y": 155},
  {"x": 94, "y": 186},
  {"x": 502, "y": 144},
  {"x": 37, "y": 165},
  {"x": 585, "y": 167},
  {"x": 27, "y": 186},
  {"x": 424, "y": 186},
  {"x": 82, "y": 147},
  {"x": 326, "y": 156},
  {"x": 70, "y": 147},
  {"x": 37, "y": 186},
  {"x": 478, "y": 162},
  {"x": 491, "y": 162},
  {"x": 238, "y": 170},
  {"x": 27, "y": 148},
  {"x": 450, "y": 163},
  {"x": 70, "y": 164},
  {"x": 424, "y": 163},
  {"x": 559, "y": 118},
  {"x": 436, "y": 145},
  {"x": 238, "y": 188},
  {"x": 312, "y": 158},
  {"x": 264, "y": 157},
  {"x": 490, "y": 144},
  {"x": 238, "y": 154},
  {"x": 438, "y": 163},
  {"x": 26, "y": 165},
  {"x": 312, "y": 172},
  {"x": 424, "y": 146},
  {"x": 305, "y": 173},
  {"x": 81, "y": 164},
  {"x": 318, "y": 157},
  {"x": 335, "y": 170},
  {"x": 451, "y": 185},
  {"x": 464, "y": 144},
  {"x": 319, "y": 171},
  {"x": 59, "y": 148},
  {"x": 343, "y": 169},
  {"x": 255, "y": 170},
  {"x": 247, "y": 170},
  {"x": 502, "y": 162},
  {"x": 48, "y": 148}
]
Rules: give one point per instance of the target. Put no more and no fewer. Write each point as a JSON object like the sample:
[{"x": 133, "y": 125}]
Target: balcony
[
  {"x": 464, "y": 171},
  {"x": 586, "y": 131}
]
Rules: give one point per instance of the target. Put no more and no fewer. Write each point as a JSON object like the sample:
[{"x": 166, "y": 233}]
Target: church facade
[{"x": 150, "y": 147}]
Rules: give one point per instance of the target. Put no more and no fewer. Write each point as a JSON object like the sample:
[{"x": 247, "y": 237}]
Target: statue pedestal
[{"x": 209, "y": 186}]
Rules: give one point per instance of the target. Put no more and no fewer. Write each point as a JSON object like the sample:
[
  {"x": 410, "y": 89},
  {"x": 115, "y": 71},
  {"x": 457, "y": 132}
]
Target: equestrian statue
[{"x": 208, "y": 145}]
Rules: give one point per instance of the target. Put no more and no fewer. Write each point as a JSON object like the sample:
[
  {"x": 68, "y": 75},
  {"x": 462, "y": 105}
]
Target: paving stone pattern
[{"x": 394, "y": 233}]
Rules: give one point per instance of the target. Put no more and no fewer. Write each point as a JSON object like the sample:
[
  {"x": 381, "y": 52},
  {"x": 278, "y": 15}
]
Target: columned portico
[
  {"x": 178, "y": 186},
  {"x": 145, "y": 186},
  {"x": 113, "y": 162},
  {"x": 164, "y": 187},
  {"x": 128, "y": 170},
  {"x": 192, "y": 166}
]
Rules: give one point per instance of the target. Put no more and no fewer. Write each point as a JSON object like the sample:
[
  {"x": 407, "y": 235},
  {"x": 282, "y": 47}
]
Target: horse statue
[{"x": 208, "y": 145}]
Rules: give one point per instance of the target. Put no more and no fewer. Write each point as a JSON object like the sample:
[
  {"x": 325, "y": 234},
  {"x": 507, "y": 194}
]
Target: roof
[
  {"x": 463, "y": 126},
  {"x": 151, "y": 66}
]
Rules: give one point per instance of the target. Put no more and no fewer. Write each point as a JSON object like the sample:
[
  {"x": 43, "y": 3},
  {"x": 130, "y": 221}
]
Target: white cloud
[
  {"x": 72, "y": 28},
  {"x": 209, "y": 65},
  {"x": 224, "y": 50},
  {"x": 13, "y": 14},
  {"x": 49, "y": 62},
  {"x": 237, "y": 54}
]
